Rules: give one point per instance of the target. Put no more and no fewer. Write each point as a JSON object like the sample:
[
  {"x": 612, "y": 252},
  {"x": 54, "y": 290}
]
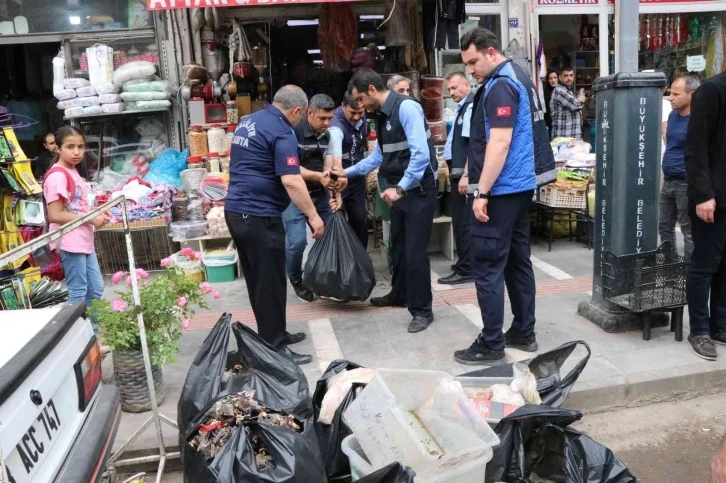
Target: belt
[
  {"x": 457, "y": 172},
  {"x": 676, "y": 178},
  {"x": 316, "y": 191}
]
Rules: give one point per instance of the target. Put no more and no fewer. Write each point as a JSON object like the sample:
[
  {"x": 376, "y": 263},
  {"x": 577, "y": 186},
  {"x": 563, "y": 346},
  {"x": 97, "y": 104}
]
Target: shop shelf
[{"x": 122, "y": 113}]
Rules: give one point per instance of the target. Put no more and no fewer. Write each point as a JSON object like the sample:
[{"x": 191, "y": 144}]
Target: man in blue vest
[
  {"x": 407, "y": 180},
  {"x": 505, "y": 143},
  {"x": 264, "y": 176},
  {"x": 455, "y": 154},
  {"x": 348, "y": 142},
  {"x": 312, "y": 142}
]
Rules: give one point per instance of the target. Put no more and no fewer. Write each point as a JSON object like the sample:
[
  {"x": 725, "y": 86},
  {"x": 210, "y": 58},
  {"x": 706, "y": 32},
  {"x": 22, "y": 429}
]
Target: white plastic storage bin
[
  {"x": 495, "y": 414},
  {"x": 472, "y": 472},
  {"x": 421, "y": 419}
]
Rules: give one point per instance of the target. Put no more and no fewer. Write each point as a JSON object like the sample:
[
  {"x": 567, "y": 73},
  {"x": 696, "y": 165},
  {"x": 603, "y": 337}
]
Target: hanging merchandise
[
  {"x": 415, "y": 57},
  {"x": 337, "y": 36},
  {"x": 397, "y": 32}
]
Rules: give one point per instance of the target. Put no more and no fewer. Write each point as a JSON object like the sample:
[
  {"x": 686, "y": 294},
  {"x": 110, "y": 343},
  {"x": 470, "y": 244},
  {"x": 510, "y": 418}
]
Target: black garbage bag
[
  {"x": 330, "y": 436},
  {"x": 269, "y": 391},
  {"x": 295, "y": 455},
  {"x": 538, "y": 439},
  {"x": 552, "y": 387},
  {"x": 255, "y": 353},
  {"x": 338, "y": 265},
  {"x": 393, "y": 473}
]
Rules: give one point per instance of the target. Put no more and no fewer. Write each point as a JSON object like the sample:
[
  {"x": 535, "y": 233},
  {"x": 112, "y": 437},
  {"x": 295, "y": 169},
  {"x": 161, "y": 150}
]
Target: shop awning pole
[{"x": 627, "y": 21}]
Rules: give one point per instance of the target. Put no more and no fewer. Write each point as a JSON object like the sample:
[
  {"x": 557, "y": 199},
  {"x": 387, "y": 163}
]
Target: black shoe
[
  {"x": 299, "y": 359},
  {"x": 718, "y": 338},
  {"x": 387, "y": 301},
  {"x": 476, "y": 355},
  {"x": 420, "y": 323},
  {"x": 526, "y": 344},
  {"x": 455, "y": 278},
  {"x": 703, "y": 347},
  {"x": 453, "y": 268},
  {"x": 295, "y": 338},
  {"x": 302, "y": 292}
]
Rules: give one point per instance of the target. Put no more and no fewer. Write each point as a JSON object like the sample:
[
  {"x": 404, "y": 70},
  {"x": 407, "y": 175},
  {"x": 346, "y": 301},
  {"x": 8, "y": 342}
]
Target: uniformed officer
[
  {"x": 264, "y": 177},
  {"x": 505, "y": 122},
  {"x": 400, "y": 84},
  {"x": 348, "y": 142},
  {"x": 407, "y": 179},
  {"x": 312, "y": 141},
  {"x": 455, "y": 154}
]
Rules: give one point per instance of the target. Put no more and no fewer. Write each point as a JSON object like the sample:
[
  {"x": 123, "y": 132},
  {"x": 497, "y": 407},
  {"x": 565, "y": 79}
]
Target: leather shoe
[
  {"x": 294, "y": 338},
  {"x": 387, "y": 301},
  {"x": 420, "y": 323},
  {"x": 455, "y": 278},
  {"x": 299, "y": 359}
]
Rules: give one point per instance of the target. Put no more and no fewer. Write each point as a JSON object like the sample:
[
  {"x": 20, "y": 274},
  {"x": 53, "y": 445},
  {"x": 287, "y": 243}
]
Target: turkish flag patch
[
  {"x": 292, "y": 161},
  {"x": 504, "y": 111}
]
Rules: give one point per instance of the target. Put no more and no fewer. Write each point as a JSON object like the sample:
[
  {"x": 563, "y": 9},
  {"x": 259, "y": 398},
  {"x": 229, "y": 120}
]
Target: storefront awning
[{"x": 173, "y": 4}]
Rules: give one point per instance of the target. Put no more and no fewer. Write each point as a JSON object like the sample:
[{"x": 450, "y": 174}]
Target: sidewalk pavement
[{"x": 624, "y": 370}]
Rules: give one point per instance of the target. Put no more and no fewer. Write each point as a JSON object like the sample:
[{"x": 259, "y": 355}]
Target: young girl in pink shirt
[{"x": 66, "y": 195}]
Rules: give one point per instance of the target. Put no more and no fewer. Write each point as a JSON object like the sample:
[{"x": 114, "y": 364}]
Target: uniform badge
[
  {"x": 388, "y": 125},
  {"x": 460, "y": 121}
]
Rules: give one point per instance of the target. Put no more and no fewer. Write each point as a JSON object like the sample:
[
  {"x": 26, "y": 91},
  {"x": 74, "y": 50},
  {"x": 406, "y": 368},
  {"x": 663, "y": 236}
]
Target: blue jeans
[
  {"x": 296, "y": 239},
  {"x": 83, "y": 277}
]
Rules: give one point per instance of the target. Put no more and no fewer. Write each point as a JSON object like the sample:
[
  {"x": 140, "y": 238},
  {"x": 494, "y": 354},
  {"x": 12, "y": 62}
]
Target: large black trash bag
[
  {"x": 296, "y": 456},
  {"x": 538, "y": 439},
  {"x": 338, "y": 265},
  {"x": 393, "y": 473},
  {"x": 330, "y": 436},
  {"x": 552, "y": 387},
  {"x": 255, "y": 353},
  {"x": 269, "y": 391}
]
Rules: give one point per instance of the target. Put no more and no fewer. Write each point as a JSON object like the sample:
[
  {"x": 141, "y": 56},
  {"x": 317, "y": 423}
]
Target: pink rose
[
  {"x": 141, "y": 273},
  {"x": 119, "y": 305},
  {"x": 186, "y": 323},
  {"x": 117, "y": 277},
  {"x": 216, "y": 294},
  {"x": 182, "y": 302},
  {"x": 197, "y": 255},
  {"x": 187, "y": 252},
  {"x": 166, "y": 262},
  {"x": 129, "y": 283},
  {"x": 205, "y": 288}
]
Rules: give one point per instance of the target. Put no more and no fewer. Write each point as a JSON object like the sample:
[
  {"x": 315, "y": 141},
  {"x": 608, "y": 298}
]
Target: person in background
[
  {"x": 566, "y": 107},
  {"x": 505, "y": 142},
  {"x": 407, "y": 179},
  {"x": 673, "y": 206},
  {"x": 399, "y": 84},
  {"x": 455, "y": 153},
  {"x": 550, "y": 84},
  {"x": 348, "y": 142},
  {"x": 264, "y": 177},
  {"x": 315, "y": 158},
  {"x": 706, "y": 171},
  {"x": 43, "y": 161}
]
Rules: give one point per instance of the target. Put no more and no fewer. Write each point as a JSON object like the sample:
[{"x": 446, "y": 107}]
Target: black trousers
[
  {"x": 707, "y": 275},
  {"x": 354, "y": 202},
  {"x": 500, "y": 255},
  {"x": 260, "y": 242},
  {"x": 411, "y": 224},
  {"x": 460, "y": 215}
]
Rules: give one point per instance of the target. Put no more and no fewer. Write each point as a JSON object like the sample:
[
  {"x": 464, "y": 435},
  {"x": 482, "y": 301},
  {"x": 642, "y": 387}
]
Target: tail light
[{"x": 88, "y": 373}]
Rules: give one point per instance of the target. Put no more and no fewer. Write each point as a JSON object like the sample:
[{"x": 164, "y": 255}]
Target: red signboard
[
  {"x": 596, "y": 2},
  {"x": 172, "y": 4}
]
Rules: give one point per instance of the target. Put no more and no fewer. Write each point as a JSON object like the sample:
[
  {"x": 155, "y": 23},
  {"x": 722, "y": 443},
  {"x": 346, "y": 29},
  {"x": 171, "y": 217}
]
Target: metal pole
[{"x": 627, "y": 20}]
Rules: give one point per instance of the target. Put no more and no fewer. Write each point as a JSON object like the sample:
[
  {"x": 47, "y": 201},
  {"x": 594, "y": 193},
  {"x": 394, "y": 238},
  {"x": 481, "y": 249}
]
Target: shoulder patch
[{"x": 291, "y": 161}]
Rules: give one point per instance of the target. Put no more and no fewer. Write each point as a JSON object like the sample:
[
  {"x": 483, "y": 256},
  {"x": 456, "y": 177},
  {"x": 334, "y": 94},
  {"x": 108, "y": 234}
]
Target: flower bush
[{"x": 167, "y": 301}]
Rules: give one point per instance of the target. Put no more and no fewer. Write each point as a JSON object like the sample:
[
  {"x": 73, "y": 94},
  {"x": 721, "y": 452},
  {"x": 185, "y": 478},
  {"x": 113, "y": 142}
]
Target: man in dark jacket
[{"x": 706, "y": 172}]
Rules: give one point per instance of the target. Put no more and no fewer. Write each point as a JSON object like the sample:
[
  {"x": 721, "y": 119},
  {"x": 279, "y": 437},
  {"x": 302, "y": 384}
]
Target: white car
[{"x": 58, "y": 420}]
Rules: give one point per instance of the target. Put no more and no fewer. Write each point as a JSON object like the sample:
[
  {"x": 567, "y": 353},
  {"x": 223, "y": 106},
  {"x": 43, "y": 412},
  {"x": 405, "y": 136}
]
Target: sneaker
[
  {"x": 387, "y": 301},
  {"x": 476, "y": 355},
  {"x": 703, "y": 347},
  {"x": 718, "y": 338},
  {"x": 526, "y": 344},
  {"x": 302, "y": 292},
  {"x": 420, "y": 323}
]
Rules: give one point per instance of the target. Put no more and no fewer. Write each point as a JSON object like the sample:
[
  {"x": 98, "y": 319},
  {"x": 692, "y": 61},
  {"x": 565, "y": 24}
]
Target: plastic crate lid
[{"x": 623, "y": 80}]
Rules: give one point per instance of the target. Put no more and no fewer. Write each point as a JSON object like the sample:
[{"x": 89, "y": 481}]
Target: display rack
[{"x": 122, "y": 113}]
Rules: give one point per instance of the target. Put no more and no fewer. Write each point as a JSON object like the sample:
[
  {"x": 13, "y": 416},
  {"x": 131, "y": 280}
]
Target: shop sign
[
  {"x": 695, "y": 63},
  {"x": 173, "y": 4},
  {"x": 612, "y": 2},
  {"x": 514, "y": 22},
  {"x": 567, "y": 2}
]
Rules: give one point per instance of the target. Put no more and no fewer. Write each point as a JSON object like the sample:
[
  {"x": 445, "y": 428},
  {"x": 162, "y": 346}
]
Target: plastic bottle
[
  {"x": 197, "y": 141},
  {"x": 215, "y": 138}
]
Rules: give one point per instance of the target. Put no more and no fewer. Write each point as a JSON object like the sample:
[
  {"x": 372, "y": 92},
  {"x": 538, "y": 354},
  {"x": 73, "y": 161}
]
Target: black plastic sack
[
  {"x": 270, "y": 392},
  {"x": 296, "y": 456},
  {"x": 330, "y": 436},
  {"x": 538, "y": 439},
  {"x": 393, "y": 473},
  {"x": 552, "y": 387},
  {"x": 338, "y": 266},
  {"x": 255, "y": 353}
]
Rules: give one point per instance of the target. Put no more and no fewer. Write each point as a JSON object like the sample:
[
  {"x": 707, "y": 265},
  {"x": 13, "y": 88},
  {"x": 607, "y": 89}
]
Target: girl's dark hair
[{"x": 60, "y": 135}]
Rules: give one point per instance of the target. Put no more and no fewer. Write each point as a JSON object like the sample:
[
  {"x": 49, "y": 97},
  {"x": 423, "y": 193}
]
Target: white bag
[
  {"x": 113, "y": 108},
  {"x": 109, "y": 98},
  {"x": 144, "y": 96},
  {"x": 75, "y": 83},
  {"x": 92, "y": 110},
  {"x": 64, "y": 94},
  {"x": 132, "y": 70},
  {"x": 100, "y": 64},
  {"x": 73, "y": 112},
  {"x": 79, "y": 102},
  {"x": 106, "y": 88},
  {"x": 87, "y": 91}
]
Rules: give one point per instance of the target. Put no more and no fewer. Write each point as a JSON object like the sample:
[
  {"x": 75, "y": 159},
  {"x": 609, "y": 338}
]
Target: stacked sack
[
  {"x": 78, "y": 98},
  {"x": 140, "y": 88}
]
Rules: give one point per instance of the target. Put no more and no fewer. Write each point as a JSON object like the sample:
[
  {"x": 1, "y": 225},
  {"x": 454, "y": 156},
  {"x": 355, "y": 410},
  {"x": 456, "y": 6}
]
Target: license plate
[{"x": 34, "y": 445}]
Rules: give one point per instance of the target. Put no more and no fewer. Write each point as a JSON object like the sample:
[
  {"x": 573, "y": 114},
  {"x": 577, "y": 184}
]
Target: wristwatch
[
  {"x": 465, "y": 175},
  {"x": 400, "y": 190},
  {"x": 478, "y": 195}
]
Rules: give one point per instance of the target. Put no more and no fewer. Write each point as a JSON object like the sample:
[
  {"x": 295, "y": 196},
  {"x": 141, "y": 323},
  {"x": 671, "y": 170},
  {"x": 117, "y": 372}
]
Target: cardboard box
[{"x": 100, "y": 64}]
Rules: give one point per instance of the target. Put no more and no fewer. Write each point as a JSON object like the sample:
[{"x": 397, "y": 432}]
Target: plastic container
[
  {"x": 473, "y": 472},
  {"x": 220, "y": 269},
  {"x": 232, "y": 113},
  {"x": 494, "y": 413},
  {"x": 195, "y": 162},
  {"x": 188, "y": 229},
  {"x": 227, "y": 142},
  {"x": 191, "y": 178},
  {"x": 197, "y": 141},
  {"x": 195, "y": 208},
  {"x": 422, "y": 419},
  {"x": 224, "y": 162},
  {"x": 213, "y": 162},
  {"x": 215, "y": 138}
]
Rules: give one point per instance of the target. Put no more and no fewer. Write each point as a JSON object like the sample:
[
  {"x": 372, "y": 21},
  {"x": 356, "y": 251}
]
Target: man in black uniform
[
  {"x": 312, "y": 141},
  {"x": 348, "y": 143},
  {"x": 407, "y": 180},
  {"x": 264, "y": 177}
]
